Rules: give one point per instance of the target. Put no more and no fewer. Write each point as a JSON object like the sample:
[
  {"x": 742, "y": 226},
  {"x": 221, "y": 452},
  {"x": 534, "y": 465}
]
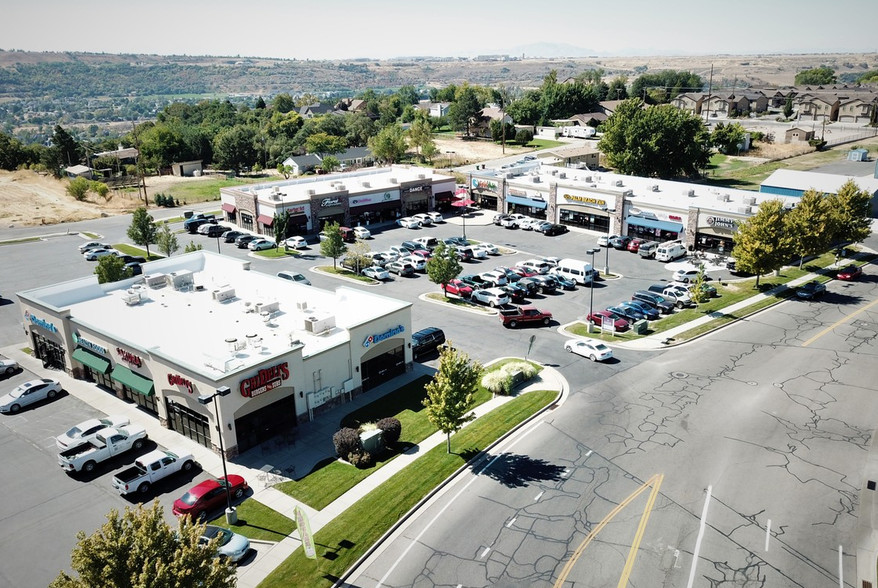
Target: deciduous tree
[
  {"x": 322, "y": 143},
  {"x": 465, "y": 110},
  {"x": 111, "y": 269},
  {"x": 330, "y": 164},
  {"x": 817, "y": 76},
  {"x": 450, "y": 392},
  {"x": 235, "y": 147},
  {"x": 333, "y": 246},
  {"x": 809, "y": 225},
  {"x": 389, "y": 144},
  {"x": 443, "y": 266},
  {"x": 140, "y": 550},
  {"x": 142, "y": 230},
  {"x": 421, "y": 131},
  {"x": 851, "y": 213},
  {"x": 727, "y": 137},
  {"x": 78, "y": 188},
  {"x": 762, "y": 243},
  {"x": 166, "y": 240}
]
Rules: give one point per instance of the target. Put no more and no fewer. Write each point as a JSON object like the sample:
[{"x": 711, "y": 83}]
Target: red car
[
  {"x": 208, "y": 496},
  {"x": 597, "y": 318},
  {"x": 524, "y": 272},
  {"x": 422, "y": 253},
  {"x": 634, "y": 244},
  {"x": 851, "y": 272},
  {"x": 457, "y": 287}
]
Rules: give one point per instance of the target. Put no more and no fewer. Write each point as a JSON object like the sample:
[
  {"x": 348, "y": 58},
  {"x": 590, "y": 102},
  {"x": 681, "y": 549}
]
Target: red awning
[
  {"x": 443, "y": 196},
  {"x": 265, "y": 219},
  {"x": 229, "y": 207}
]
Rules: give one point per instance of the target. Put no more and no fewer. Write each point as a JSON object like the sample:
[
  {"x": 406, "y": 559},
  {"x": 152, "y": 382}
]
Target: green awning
[
  {"x": 134, "y": 381},
  {"x": 91, "y": 360}
]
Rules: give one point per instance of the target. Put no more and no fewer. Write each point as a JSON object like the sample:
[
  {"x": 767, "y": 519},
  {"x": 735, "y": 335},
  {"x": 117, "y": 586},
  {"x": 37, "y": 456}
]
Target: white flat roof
[
  {"x": 826, "y": 183},
  {"x": 263, "y": 315}
]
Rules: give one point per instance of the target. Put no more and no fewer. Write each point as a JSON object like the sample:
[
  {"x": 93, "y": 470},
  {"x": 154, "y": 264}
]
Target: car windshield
[
  {"x": 74, "y": 432},
  {"x": 601, "y": 347},
  {"x": 223, "y": 535},
  {"x": 189, "y": 499}
]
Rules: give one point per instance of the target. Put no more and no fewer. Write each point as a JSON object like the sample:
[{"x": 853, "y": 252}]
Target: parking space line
[{"x": 700, "y": 537}]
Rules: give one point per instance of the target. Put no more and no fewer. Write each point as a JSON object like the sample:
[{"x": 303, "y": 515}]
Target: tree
[
  {"x": 78, "y": 188},
  {"x": 166, "y": 240},
  {"x": 443, "y": 266},
  {"x": 408, "y": 94},
  {"x": 762, "y": 243},
  {"x": 661, "y": 141},
  {"x": 788, "y": 107},
  {"x": 697, "y": 291},
  {"x": 818, "y": 76},
  {"x": 666, "y": 85},
  {"x": 809, "y": 225},
  {"x": 285, "y": 170},
  {"x": 851, "y": 213},
  {"x": 143, "y": 230},
  {"x": 450, "y": 392},
  {"x": 111, "y": 268},
  {"x": 617, "y": 89},
  {"x": 283, "y": 103},
  {"x": 333, "y": 246},
  {"x": 389, "y": 144},
  {"x": 321, "y": 143},
  {"x": 100, "y": 188},
  {"x": 358, "y": 255},
  {"x": 330, "y": 164},
  {"x": 140, "y": 550},
  {"x": 235, "y": 147},
  {"x": 68, "y": 149},
  {"x": 280, "y": 226},
  {"x": 421, "y": 131},
  {"x": 727, "y": 137},
  {"x": 192, "y": 246},
  {"x": 429, "y": 151},
  {"x": 465, "y": 110}
]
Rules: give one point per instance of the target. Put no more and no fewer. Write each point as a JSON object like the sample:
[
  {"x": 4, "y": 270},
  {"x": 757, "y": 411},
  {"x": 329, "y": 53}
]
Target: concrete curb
[{"x": 562, "y": 394}]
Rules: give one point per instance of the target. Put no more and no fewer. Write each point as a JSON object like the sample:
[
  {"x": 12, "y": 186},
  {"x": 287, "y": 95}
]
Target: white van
[
  {"x": 670, "y": 251},
  {"x": 575, "y": 269}
]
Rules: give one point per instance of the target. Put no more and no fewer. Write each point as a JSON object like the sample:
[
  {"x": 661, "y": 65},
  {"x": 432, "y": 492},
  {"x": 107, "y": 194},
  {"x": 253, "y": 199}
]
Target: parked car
[
  {"x": 459, "y": 288},
  {"x": 209, "y": 496},
  {"x": 87, "y": 429},
  {"x": 620, "y": 242},
  {"x": 231, "y": 547},
  {"x": 563, "y": 281},
  {"x": 709, "y": 290},
  {"x": 499, "y": 218},
  {"x": 619, "y": 323},
  {"x": 260, "y": 245},
  {"x": 528, "y": 224},
  {"x": 230, "y": 236},
  {"x": 538, "y": 266},
  {"x": 677, "y": 293},
  {"x": 8, "y": 366},
  {"x": 604, "y": 240},
  {"x": 495, "y": 277},
  {"x": 547, "y": 283},
  {"x": 376, "y": 273},
  {"x": 634, "y": 244},
  {"x": 488, "y": 248},
  {"x": 464, "y": 253},
  {"x": 424, "y": 219},
  {"x": 684, "y": 276},
  {"x": 649, "y": 311},
  {"x": 410, "y": 246},
  {"x": 419, "y": 263},
  {"x": 516, "y": 292},
  {"x": 811, "y": 290},
  {"x": 93, "y": 245},
  {"x": 427, "y": 340},
  {"x": 476, "y": 251},
  {"x": 491, "y": 296},
  {"x": 590, "y": 348},
  {"x": 436, "y": 217},
  {"x": 29, "y": 393},
  {"x": 629, "y": 313},
  {"x": 553, "y": 230},
  {"x": 851, "y": 272},
  {"x": 422, "y": 253},
  {"x": 511, "y": 276},
  {"x": 400, "y": 268},
  {"x": 294, "y": 277},
  {"x": 106, "y": 443},
  {"x": 647, "y": 250},
  {"x": 244, "y": 240},
  {"x": 531, "y": 284},
  {"x": 524, "y": 272},
  {"x": 664, "y": 305},
  {"x": 131, "y": 258},
  {"x": 362, "y": 233},
  {"x": 95, "y": 254},
  {"x": 135, "y": 267},
  {"x": 296, "y": 242},
  {"x": 514, "y": 317},
  {"x": 428, "y": 243},
  {"x": 408, "y": 222},
  {"x": 213, "y": 230},
  {"x": 543, "y": 226},
  {"x": 150, "y": 468}
]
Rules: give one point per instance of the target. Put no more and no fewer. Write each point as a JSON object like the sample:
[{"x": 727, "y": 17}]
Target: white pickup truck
[
  {"x": 106, "y": 443},
  {"x": 151, "y": 468}
]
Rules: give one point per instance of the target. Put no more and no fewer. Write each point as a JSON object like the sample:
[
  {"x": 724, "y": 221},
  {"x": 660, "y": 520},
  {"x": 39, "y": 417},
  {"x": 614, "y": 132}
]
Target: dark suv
[
  {"x": 658, "y": 301},
  {"x": 427, "y": 340}
]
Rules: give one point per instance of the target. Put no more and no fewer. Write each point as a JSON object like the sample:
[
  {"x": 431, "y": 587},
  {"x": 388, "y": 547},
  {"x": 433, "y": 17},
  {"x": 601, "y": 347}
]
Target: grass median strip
[
  {"x": 341, "y": 542},
  {"x": 257, "y": 521}
]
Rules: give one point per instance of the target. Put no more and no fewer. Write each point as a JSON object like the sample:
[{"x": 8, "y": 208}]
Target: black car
[
  {"x": 547, "y": 284},
  {"x": 230, "y": 236},
  {"x": 427, "y": 340},
  {"x": 410, "y": 246},
  {"x": 620, "y": 242},
  {"x": 458, "y": 241},
  {"x": 532, "y": 285},
  {"x": 135, "y": 268},
  {"x": 244, "y": 240},
  {"x": 629, "y": 313},
  {"x": 555, "y": 230},
  {"x": 655, "y": 300},
  {"x": 516, "y": 292},
  {"x": 651, "y": 312},
  {"x": 132, "y": 259},
  {"x": 511, "y": 276},
  {"x": 811, "y": 290}
]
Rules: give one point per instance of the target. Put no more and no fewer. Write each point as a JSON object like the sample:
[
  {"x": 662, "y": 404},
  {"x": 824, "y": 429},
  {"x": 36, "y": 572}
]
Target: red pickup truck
[{"x": 524, "y": 314}]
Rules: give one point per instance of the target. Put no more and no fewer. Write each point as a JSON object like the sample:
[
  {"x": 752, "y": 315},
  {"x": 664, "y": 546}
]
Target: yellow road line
[
  {"x": 632, "y": 553},
  {"x": 839, "y": 322},
  {"x": 562, "y": 577}
]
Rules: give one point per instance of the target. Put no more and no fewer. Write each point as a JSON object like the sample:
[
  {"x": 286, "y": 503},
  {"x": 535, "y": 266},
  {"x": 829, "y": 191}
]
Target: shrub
[
  {"x": 497, "y": 382},
  {"x": 524, "y": 367},
  {"x": 360, "y": 459},
  {"x": 78, "y": 188},
  {"x": 524, "y": 137},
  {"x": 391, "y": 430},
  {"x": 346, "y": 442}
]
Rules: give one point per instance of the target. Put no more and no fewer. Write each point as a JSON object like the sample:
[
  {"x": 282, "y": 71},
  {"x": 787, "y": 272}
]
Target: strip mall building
[{"x": 200, "y": 321}]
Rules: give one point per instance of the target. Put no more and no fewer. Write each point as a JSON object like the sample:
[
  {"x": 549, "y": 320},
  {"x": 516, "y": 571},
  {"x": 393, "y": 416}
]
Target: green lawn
[
  {"x": 132, "y": 250},
  {"x": 349, "y": 535},
  {"x": 257, "y": 521},
  {"x": 207, "y": 190},
  {"x": 544, "y": 144},
  {"x": 15, "y": 241},
  {"x": 340, "y": 271},
  {"x": 278, "y": 253}
]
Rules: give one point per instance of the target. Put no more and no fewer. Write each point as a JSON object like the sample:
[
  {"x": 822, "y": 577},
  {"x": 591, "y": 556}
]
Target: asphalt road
[{"x": 774, "y": 422}]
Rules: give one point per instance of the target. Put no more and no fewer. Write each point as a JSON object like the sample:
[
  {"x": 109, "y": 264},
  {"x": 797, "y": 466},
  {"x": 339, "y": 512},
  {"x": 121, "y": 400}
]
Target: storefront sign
[
  {"x": 295, "y": 210},
  {"x": 129, "y": 357},
  {"x": 375, "y": 198},
  {"x": 85, "y": 343},
  {"x": 327, "y": 202},
  {"x": 267, "y": 379},
  {"x": 372, "y": 339},
  {"x": 722, "y": 222},
  {"x": 485, "y": 185},
  {"x": 176, "y": 380},
  {"x": 40, "y": 322},
  {"x": 675, "y": 217},
  {"x": 585, "y": 200},
  {"x": 417, "y": 189}
]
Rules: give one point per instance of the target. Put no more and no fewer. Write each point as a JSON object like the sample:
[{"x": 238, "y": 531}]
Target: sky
[{"x": 381, "y": 29}]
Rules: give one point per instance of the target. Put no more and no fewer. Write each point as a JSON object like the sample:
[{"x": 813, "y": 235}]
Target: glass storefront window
[
  {"x": 246, "y": 221},
  {"x": 585, "y": 220}
]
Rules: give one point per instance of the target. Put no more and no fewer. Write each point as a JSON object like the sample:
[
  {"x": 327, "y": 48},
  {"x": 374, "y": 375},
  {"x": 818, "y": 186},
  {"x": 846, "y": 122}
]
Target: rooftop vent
[
  {"x": 310, "y": 191},
  {"x": 223, "y": 293},
  {"x": 722, "y": 197},
  {"x": 617, "y": 183},
  {"x": 750, "y": 200},
  {"x": 155, "y": 281},
  {"x": 744, "y": 209},
  {"x": 394, "y": 181},
  {"x": 653, "y": 188},
  {"x": 562, "y": 175},
  {"x": 422, "y": 177},
  {"x": 366, "y": 184}
]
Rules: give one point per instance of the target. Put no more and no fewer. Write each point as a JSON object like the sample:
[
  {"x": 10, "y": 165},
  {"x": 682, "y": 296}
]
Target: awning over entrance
[
  {"x": 91, "y": 360},
  {"x": 134, "y": 381},
  {"x": 654, "y": 224},
  {"x": 229, "y": 207},
  {"x": 298, "y": 219},
  {"x": 265, "y": 219},
  {"x": 526, "y": 201},
  {"x": 443, "y": 196}
]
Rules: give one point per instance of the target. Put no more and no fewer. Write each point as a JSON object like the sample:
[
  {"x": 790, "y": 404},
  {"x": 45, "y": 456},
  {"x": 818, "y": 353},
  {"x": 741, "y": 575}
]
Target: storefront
[
  {"x": 135, "y": 388},
  {"x": 330, "y": 210},
  {"x": 522, "y": 202},
  {"x": 265, "y": 224},
  {"x": 415, "y": 199},
  {"x": 485, "y": 193},
  {"x": 583, "y": 210},
  {"x": 716, "y": 234},
  {"x": 374, "y": 208},
  {"x": 298, "y": 223},
  {"x": 188, "y": 422},
  {"x": 257, "y": 427},
  {"x": 443, "y": 201},
  {"x": 385, "y": 358},
  {"x": 231, "y": 212},
  {"x": 648, "y": 225},
  {"x": 46, "y": 341}
]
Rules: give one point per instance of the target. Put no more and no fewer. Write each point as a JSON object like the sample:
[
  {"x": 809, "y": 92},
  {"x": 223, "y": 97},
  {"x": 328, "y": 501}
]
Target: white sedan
[
  {"x": 376, "y": 273},
  {"x": 8, "y": 366},
  {"x": 408, "y": 222},
  {"x": 488, "y": 248},
  {"x": 424, "y": 219},
  {"x": 362, "y": 233},
  {"x": 260, "y": 244},
  {"x": 29, "y": 393},
  {"x": 92, "y": 245},
  {"x": 491, "y": 296},
  {"x": 296, "y": 242},
  {"x": 95, "y": 254},
  {"x": 436, "y": 217},
  {"x": 590, "y": 348},
  {"x": 685, "y": 276},
  {"x": 86, "y": 431}
]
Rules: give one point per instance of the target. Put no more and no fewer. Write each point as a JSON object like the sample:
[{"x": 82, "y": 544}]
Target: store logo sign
[
  {"x": 327, "y": 202},
  {"x": 85, "y": 343},
  {"x": 585, "y": 200},
  {"x": 177, "y": 380},
  {"x": 265, "y": 380},
  {"x": 486, "y": 185},
  {"x": 675, "y": 217},
  {"x": 40, "y": 322},
  {"x": 129, "y": 357},
  {"x": 722, "y": 222},
  {"x": 392, "y": 332}
]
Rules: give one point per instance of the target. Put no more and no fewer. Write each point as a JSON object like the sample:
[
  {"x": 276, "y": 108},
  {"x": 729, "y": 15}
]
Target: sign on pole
[
  {"x": 305, "y": 533},
  {"x": 530, "y": 346}
]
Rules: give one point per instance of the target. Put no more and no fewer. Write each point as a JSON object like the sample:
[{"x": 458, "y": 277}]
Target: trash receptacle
[{"x": 640, "y": 327}]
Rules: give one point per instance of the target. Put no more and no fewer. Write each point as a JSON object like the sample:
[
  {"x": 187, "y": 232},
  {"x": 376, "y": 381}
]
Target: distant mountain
[{"x": 550, "y": 50}]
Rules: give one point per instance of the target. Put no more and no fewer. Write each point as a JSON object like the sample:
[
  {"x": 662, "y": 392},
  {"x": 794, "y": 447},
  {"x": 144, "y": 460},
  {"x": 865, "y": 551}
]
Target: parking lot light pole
[
  {"x": 588, "y": 322},
  {"x": 607, "y": 262},
  {"x": 231, "y": 514}
]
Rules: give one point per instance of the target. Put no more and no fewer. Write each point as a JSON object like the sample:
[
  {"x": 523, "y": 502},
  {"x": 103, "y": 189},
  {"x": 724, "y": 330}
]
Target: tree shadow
[
  {"x": 516, "y": 471},
  {"x": 243, "y": 523}
]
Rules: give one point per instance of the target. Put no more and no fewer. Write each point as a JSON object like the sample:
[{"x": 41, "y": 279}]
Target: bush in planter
[
  {"x": 526, "y": 368},
  {"x": 497, "y": 382},
  {"x": 391, "y": 429},
  {"x": 346, "y": 441},
  {"x": 360, "y": 459}
]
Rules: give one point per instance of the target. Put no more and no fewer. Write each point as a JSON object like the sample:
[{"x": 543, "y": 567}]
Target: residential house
[
  {"x": 719, "y": 104},
  {"x": 434, "y": 109},
  {"x": 78, "y": 171},
  {"x": 187, "y": 168},
  {"x": 821, "y": 106},
  {"x": 690, "y": 102},
  {"x": 312, "y": 110},
  {"x": 857, "y": 109},
  {"x": 301, "y": 164},
  {"x": 482, "y": 126},
  {"x": 353, "y": 157}
]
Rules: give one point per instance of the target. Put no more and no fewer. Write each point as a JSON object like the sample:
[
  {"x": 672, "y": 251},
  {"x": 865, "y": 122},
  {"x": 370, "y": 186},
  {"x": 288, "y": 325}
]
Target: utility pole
[
  {"x": 141, "y": 183},
  {"x": 709, "y": 91}
]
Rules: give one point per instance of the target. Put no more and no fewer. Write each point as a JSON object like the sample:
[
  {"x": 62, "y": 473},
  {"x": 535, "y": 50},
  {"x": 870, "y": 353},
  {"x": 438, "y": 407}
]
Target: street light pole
[
  {"x": 204, "y": 399},
  {"x": 607, "y": 262},
  {"x": 591, "y": 290}
]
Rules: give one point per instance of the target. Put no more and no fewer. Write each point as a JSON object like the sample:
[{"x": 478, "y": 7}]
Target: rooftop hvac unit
[
  {"x": 722, "y": 197},
  {"x": 690, "y": 193},
  {"x": 744, "y": 209},
  {"x": 653, "y": 188},
  {"x": 509, "y": 175},
  {"x": 618, "y": 183},
  {"x": 275, "y": 190},
  {"x": 750, "y": 200},
  {"x": 562, "y": 175},
  {"x": 586, "y": 179},
  {"x": 366, "y": 184},
  {"x": 180, "y": 280},
  {"x": 554, "y": 172},
  {"x": 422, "y": 177},
  {"x": 155, "y": 280},
  {"x": 393, "y": 181},
  {"x": 267, "y": 307},
  {"x": 224, "y": 293},
  {"x": 340, "y": 187},
  {"x": 133, "y": 297},
  {"x": 536, "y": 179},
  {"x": 274, "y": 196},
  {"x": 302, "y": 305},
  {"x": 310, "y": 191}
]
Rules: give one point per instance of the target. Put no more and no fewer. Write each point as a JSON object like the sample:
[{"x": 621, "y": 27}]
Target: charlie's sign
[{"x": 265, "y": 380}]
